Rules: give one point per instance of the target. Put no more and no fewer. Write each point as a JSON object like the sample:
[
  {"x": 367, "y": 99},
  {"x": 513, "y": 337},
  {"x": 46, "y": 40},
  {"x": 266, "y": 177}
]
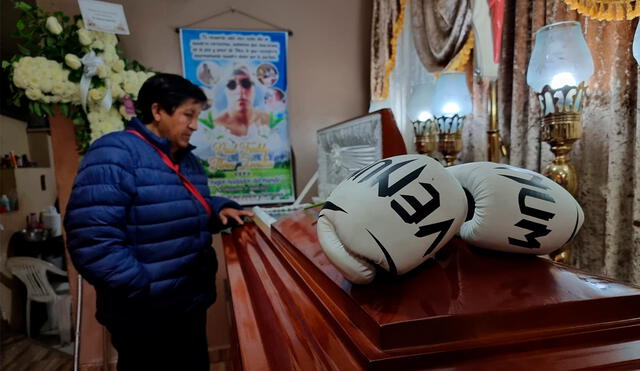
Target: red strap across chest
[{"x": 176, "y": 168}]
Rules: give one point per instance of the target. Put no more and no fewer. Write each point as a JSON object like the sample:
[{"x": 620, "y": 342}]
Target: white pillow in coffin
[{"x": 395, "y": 213}]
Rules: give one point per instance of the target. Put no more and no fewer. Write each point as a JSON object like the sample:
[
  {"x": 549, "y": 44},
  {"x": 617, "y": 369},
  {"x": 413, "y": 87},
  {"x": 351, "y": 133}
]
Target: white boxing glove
[
  {"x": 516, "y": 210},
  {"x": 395, "y": 214}
]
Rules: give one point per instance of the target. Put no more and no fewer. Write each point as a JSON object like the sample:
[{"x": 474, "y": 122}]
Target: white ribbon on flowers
[
  {"x": 106, "y": 101},
  {"x": 91, "y": 62}
]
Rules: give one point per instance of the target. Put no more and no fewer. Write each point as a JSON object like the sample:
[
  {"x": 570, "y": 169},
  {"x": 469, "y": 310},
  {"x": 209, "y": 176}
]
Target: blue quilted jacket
[{"x": 137, "y": 234}]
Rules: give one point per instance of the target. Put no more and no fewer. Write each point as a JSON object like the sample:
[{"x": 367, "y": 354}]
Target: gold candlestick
[
  {"x": 450, "y": 137},
  {"x": 561, "y": 130},
  {"x": 450, "y": 144},
  {"x": 495, "y": 148},
  {"x": 560, "y": 64},
  {"x": 561, "y": 127},
  {"x": 426, "y": 144},
  {"x": 425, "y": 132}
]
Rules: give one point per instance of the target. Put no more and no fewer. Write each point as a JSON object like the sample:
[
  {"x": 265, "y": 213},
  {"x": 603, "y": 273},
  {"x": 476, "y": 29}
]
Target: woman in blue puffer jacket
[{"x": 139, "y": 224}]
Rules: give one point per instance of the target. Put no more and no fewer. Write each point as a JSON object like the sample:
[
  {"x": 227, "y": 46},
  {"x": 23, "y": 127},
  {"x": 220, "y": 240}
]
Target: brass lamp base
[
  {"x": 561, "y": 130},
  {"x": 562, "y": 255},
  {"x": 495, "y": 148},
  {"x": 426, "y": 144},
  {"x": 561, "y": 127},
  {"x": 450, "y": 144}
]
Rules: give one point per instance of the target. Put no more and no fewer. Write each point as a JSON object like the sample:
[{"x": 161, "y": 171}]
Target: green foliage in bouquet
[{"x": 55, "y": 52}]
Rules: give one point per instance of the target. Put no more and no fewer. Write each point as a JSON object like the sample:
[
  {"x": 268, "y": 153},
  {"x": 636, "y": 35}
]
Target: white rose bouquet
[{"x": 63, "y": 64}]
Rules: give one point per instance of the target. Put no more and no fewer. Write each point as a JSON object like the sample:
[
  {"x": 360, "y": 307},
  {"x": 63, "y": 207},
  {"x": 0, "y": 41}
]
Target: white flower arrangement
[
  {"x": 45, "y": 80},
  {"x": 61, "y": 63}
]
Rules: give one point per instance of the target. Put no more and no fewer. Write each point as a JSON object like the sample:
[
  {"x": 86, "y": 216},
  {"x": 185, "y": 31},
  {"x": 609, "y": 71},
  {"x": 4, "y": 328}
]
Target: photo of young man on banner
[{"x": 243, "y": 136}]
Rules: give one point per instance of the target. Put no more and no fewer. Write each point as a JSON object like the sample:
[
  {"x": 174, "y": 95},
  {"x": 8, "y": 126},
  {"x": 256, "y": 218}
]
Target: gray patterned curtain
[
  {"x": 386, "y": 25},
  {"x": 441, "y": 29}
]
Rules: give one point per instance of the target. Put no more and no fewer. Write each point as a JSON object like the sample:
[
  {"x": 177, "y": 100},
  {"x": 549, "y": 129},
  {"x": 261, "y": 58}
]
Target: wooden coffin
[{"x": 468, "y": 308}]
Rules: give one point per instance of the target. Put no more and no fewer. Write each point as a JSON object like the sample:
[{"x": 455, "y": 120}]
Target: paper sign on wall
[{"x": 103, "y": 16}]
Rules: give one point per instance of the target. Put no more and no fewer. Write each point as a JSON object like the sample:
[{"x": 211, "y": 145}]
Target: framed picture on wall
[{"x": 348, "y": 146}]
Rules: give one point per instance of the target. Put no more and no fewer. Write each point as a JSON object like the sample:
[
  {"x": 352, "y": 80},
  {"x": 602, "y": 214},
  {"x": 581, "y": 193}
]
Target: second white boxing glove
[
  {"x": 516, "y": 210},
  {"x": 395, "y": 214}
]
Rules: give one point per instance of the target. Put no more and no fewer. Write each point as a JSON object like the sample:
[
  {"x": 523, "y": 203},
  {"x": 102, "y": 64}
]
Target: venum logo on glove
[
  {"x": 395, "y": 214},
  {"x": 537, "y": 229},
  {"x": 421, "y": 211},
  {"x": 516, "y": 210}
]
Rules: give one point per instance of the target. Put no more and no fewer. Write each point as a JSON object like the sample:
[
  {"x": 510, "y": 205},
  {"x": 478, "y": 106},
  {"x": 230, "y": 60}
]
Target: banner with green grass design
[{"x": 243, "y": 133}]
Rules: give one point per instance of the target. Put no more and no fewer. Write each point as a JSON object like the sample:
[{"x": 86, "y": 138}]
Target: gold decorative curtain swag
[
  {"x": 441, "y": 31},
  {"x": 388, "y": 20},
  {"x": 606, "y": 10},
  {"x": 459, "y": 62}
]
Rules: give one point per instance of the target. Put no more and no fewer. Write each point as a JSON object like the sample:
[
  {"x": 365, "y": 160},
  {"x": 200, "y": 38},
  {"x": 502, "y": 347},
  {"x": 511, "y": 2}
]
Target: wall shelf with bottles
[{"x": 27, "y": 188}]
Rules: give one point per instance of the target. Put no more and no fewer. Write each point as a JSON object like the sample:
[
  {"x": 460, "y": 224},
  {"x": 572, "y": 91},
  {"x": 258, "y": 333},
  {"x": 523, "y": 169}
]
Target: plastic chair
[{"x": 33, "y": 273}]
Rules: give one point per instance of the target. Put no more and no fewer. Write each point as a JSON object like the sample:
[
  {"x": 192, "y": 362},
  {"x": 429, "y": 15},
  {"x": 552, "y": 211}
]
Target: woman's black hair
[{"x": 169, "y": 91}]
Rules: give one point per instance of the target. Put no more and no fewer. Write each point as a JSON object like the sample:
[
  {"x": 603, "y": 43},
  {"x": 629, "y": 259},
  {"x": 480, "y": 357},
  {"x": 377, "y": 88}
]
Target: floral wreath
[{"x": 61, "y": 63}]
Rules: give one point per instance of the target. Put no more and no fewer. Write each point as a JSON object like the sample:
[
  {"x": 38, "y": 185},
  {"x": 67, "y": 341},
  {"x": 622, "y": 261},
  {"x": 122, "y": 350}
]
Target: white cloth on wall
[
  {"x": 483, "y": 46},
  {"x": 408, "y": 71}
]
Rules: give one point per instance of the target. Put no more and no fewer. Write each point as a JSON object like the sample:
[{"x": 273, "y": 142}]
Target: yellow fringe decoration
[
  {"x": 391, "y": 63},
  {"x": 459, "y": 62},
  {"x": 606, "y": 10}
]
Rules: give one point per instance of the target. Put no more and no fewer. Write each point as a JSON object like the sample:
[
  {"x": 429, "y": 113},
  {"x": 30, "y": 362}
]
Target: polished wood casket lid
[{"x": 466, "y": 306}]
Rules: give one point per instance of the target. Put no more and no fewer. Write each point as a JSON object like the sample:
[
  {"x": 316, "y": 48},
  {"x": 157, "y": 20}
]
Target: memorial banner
[{"x": 243, "y": 132}]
